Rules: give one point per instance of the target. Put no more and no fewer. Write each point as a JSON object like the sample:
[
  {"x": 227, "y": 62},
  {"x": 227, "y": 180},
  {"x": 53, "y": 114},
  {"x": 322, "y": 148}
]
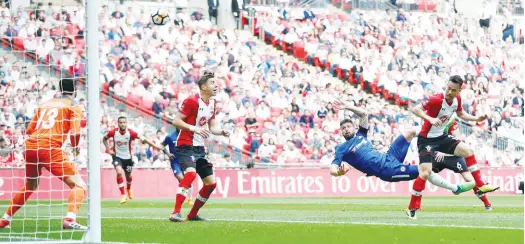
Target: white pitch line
[
  {"x": 304, "y": 222},
  {"x": 49, "y": 240},
  {"x": 336, "y": 222}
]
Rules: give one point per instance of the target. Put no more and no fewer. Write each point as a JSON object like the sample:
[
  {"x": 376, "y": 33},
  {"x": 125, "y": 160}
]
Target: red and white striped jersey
[
  {"x": 122, "y": 142},
  {"x": 437, "y": 107},
  {"x": 198, "y": 113}
]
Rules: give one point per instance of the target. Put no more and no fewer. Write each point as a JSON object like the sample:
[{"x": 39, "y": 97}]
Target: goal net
[{"x": 42, "y": 43}]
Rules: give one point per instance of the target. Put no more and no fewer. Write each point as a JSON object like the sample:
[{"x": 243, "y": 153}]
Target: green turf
[{"x": 447, "y": 220}]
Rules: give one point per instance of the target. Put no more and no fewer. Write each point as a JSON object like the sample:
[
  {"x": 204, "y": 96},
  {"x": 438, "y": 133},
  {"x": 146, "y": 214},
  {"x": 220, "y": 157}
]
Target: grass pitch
[{"x": 449, "y": 220}]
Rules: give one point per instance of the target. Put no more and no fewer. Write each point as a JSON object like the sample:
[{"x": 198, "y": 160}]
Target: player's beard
[{"x": 348, "y": 137}]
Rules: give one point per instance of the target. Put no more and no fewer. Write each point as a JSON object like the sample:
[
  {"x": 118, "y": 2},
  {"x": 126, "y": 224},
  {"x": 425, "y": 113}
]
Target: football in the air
[{"x": 160, "y": 17}]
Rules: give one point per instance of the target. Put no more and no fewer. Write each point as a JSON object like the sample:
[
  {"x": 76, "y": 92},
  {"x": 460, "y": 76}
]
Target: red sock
[
  {"x": 184, "y": 185},
  {"x": 417, "y": 191},
  {"x": 129, "y": 182},
  {"x": 483, "y": 198},
  {"x": 19, "y": 199},
  {"x": 120, "y": 183},
  {"x": 474, "y": 169},
  {"x": 203, "y": 196}
]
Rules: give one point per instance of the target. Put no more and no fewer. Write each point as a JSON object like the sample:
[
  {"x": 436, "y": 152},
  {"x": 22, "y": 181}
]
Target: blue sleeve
[
  {"x": 362, "y": 131},
  {"x": 166, "y": 141},
  {"x": 339, "y": 153}
]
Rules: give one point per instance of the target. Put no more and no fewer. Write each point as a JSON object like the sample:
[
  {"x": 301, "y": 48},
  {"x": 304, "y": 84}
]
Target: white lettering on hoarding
[
  {"x": 273, "y": 184},
  {"x": 344, "y": 184},
  {"x": 362, "y": 184},
  {"x": 240, "y": 182},
  {"x": 222, "y": 189}
]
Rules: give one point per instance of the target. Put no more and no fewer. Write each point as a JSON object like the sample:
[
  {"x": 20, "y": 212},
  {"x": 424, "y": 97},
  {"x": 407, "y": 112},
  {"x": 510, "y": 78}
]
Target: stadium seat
[
  {"x": 134, "y": 99},
  {"x": 298, "y": 50},
  {"x": 18, "y": 43},
  {"x": 105, "y": 86},
  {"x": 147, "y": 104}
]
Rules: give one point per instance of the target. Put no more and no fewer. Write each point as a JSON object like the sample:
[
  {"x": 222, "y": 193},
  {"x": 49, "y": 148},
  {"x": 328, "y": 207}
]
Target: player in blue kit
[
  {"x": 170, "y": 141},
  {"x": 358, "y": 152}
]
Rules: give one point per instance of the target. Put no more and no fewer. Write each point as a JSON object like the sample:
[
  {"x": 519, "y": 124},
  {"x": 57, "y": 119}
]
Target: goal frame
[{"x": 94, "y": 232}]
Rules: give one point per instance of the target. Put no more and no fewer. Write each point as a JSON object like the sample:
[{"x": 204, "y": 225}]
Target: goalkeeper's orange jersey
[{"x": 52, "y": 122}]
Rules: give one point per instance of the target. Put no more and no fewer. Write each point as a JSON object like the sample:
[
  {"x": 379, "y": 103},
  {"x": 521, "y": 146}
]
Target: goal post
[
  {"x": 94, "y": 232},
  {"x": 40, "y": 218}
]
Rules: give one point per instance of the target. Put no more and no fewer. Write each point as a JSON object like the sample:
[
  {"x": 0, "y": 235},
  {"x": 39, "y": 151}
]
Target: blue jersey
[
  {"x": 170, "y": 141},
  {"x": 359, "y": 153}
]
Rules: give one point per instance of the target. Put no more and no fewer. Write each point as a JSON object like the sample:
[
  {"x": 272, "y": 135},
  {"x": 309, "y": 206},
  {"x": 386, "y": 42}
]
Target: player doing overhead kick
[{"x": 358, "y": 152}]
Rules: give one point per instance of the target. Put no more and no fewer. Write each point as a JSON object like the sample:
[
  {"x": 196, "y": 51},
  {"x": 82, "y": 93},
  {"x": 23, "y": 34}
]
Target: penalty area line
[{"x": 335, "y": 222}]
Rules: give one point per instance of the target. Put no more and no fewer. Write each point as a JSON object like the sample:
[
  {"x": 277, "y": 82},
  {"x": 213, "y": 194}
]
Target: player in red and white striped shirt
[
  {"x": 436, "y": 112},
  {"x": 196, "y": 121},
  {"x": 121, "y": 152}
]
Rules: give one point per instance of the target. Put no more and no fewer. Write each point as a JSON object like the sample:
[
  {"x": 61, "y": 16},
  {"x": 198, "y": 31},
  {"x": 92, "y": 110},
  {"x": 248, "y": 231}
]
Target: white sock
[
  {"x": 6, "y": 216},
  {"x": 71, "y": 215},
  {"x": 437, "y": 180},
  {"x": 190, "y": 193}
]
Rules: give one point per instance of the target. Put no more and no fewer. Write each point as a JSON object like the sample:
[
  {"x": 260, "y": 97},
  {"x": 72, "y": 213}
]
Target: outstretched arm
[
  {"x": 465, "y": 116},
  {"x": 336, "y": 170},
  {"x": 362, "y": 113},
  {"x": 419, "y": 110},
  {"x": 338, "y": 167},
  {"x": 152, "y": 144}
]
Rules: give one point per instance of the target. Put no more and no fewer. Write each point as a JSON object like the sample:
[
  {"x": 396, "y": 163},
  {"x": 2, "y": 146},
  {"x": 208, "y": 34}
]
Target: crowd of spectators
[
  {"x": 411, "y": 54},
  {"x": 277, "y": 108}
]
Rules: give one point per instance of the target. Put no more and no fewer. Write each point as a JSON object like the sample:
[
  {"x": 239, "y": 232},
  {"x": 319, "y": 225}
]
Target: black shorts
[
  {"x": 126, "y": 164},
  {"x": 454, "y": 163},
  {"x": 427, "y": 147},
  {"x": 484, "y": 22},
  {"x": 194, "y": 157}
]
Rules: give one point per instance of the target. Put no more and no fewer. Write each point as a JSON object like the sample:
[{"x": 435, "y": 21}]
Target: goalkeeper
[{"x": 47, "y": 131}]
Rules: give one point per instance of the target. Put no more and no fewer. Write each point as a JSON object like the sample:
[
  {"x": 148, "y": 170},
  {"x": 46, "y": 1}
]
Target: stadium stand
[{"x": 276, "y": 106}]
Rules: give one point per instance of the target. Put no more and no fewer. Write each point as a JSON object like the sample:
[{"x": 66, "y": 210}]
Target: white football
[{"x": 160, "y": 17}]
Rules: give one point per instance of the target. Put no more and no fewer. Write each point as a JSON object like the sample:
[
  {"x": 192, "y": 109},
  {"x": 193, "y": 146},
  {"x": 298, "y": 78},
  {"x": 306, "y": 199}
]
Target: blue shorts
[
  {"x": 399, "y": 148},
  {"x": 394, "y": 169},
  {"x": 399, "y": 172},
  {"x": 175, "y": 166}
]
